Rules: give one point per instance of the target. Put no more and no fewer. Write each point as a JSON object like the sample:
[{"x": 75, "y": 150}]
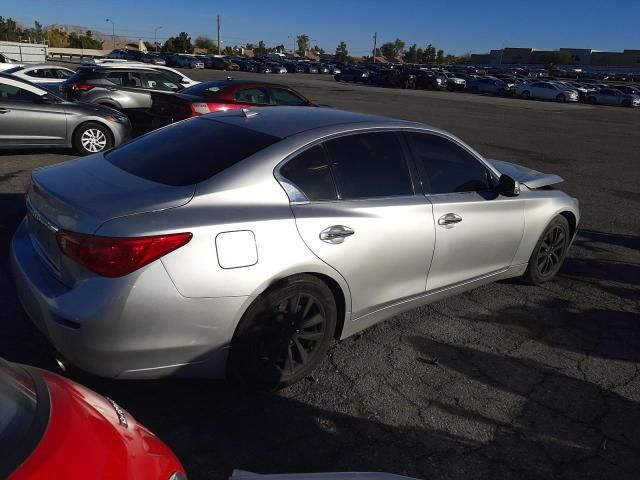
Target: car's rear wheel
[
  {"x": 627, "y": 103},
  {"x": 526, "y": 95},
  {"x": 284, "y": 334},
  {"x": 474, "y": 90},
  {"x": 561, "y": 98},
  {"x": 549, "y": 253},
  {"x": 592, "y": 100},
  {"x": 92, "y": 137}
]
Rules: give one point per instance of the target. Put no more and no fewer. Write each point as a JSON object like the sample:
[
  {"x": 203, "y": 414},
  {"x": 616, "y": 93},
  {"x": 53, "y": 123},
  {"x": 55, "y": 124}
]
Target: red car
[
  {"x": 220, "y": 96},
  {"x": 51, "y": 427}
]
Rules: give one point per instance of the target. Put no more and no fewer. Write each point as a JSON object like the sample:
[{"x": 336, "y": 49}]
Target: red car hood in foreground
[{"x": 90, "y": 437}]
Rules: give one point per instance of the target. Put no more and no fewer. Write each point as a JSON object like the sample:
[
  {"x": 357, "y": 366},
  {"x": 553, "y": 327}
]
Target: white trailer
[{"x": 18, "y": 52}]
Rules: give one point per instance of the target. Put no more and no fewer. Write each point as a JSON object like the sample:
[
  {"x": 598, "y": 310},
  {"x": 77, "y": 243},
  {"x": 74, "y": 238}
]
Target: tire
[
  {"x": 549, "y": 253},
  {"x": 284, "y": 334},
  {"x": 474, "y": 90},
  {"x": 561, "y": 98},
  {"x": 526, "y": 95},
  {"x": 592, "y": 100},
  {"x": 627, "y": 103},
  {"x": 92, "y": 137}
]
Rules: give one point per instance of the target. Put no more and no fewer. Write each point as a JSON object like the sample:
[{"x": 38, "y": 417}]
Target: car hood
[
  {"x": 526, "y": 176},
  {"x": 90, "y": 108}
]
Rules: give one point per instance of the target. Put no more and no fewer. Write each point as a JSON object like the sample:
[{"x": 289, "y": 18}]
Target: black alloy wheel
[
  {"x": 549, "y": 253},
  {"x": 284, "y": 335}
]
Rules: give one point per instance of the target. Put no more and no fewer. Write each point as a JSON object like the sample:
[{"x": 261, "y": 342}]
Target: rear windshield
[
  {"x": 188, "y": 152},
  {"x": 205, "y": 89},
  {"x": 20, "y": 422}
]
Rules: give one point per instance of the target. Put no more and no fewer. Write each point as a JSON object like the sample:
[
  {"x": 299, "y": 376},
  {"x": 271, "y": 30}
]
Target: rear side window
[
  {"x": 311, "y": 174},
  {"x": 188, "y": 152},
  {"x": 251, "y": 95},
  {"x": 369, "y": 165},
  {"x": 448, "y": 167},
  {"x": 282, "y": 96}
]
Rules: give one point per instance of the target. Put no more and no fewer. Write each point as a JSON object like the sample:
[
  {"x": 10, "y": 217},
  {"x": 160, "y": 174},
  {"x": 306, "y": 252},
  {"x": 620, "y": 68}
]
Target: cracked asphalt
[{"x": 507, "y": 381}]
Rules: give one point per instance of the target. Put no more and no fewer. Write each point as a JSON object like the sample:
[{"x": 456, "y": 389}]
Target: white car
[
  {"x": 172, "y": 73},
  {"x": 6, "y": 62},
  {"x": 547, "y": 91},
  {"x": 48, "y": 76}
]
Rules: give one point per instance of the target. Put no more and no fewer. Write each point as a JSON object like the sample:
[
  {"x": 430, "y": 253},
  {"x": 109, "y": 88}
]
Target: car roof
[{"x": 284, "y": 122}]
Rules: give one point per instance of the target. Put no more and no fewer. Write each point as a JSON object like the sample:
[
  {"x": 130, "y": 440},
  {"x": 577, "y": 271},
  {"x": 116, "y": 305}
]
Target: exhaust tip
[{"x": 62, "y": 363}]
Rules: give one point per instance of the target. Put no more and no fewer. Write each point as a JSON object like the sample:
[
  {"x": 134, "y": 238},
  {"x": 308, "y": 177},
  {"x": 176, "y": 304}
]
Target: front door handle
[
  {"x": 449, "y": 219},
  {"x": 336, "y": 234}
]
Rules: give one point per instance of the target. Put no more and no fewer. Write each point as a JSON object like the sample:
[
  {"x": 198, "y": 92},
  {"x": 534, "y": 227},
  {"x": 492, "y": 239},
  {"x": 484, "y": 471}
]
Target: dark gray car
[
  {"x": 125, "y": 89},
  {"x": 31, "y": 116}
]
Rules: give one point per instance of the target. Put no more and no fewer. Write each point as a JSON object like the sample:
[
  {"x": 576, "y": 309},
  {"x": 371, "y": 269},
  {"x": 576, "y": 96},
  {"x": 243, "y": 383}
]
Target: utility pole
[
  {"x": 113, "y": 34},
  {"x": 375, "y": 44},
  {"x": 155, "y": 37},
  {"x": 218, "y": 34}
]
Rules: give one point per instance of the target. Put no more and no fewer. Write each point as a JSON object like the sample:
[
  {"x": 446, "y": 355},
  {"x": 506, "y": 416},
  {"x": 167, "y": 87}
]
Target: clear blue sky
[{"x": 457, "y": 26}]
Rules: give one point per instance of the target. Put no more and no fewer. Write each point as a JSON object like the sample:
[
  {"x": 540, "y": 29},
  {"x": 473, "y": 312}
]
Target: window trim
[
  {"x": 297, "y": 197},
  {"x": 423, "y": 174}
]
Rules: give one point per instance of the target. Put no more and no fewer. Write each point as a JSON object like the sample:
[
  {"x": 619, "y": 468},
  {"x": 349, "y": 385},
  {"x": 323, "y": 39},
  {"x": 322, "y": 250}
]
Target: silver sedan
[
  {"x": 240, "y": 244},
  {"x": 31, "y": 116},
  {"x": 547, "y": 91}
]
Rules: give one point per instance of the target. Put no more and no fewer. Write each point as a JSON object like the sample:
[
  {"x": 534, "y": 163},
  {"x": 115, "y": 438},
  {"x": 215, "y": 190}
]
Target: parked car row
[{"x": 513, "y": 84}]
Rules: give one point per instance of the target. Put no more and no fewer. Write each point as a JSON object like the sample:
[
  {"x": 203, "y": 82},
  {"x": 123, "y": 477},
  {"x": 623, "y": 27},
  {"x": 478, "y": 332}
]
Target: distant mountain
[{"x": 121, "y": 42}]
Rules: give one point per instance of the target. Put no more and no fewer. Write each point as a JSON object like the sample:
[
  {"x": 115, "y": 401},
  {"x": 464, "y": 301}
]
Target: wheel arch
[{"x": 571, "y": 219}]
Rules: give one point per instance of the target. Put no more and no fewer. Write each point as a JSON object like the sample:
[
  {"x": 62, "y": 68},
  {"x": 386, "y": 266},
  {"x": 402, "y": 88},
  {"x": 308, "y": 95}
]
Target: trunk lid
[
  {"x": 526, "y": 176},
  {"x": 81, "y": 195}
]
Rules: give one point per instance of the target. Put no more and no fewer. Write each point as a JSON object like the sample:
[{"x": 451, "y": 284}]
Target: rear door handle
[
  {"x": 336, "y": 234},
  {"x": 449, "y": 219}
]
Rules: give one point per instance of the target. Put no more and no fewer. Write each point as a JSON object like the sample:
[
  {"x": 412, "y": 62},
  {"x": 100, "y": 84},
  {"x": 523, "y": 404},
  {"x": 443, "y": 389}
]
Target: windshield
[{"x": 21, "y": 425}]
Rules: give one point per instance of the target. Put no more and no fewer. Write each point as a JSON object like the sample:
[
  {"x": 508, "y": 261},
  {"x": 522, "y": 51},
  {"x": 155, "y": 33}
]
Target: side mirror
[
  {"x": 508, "y": 187},
  {"x": 46, "y": 98}
]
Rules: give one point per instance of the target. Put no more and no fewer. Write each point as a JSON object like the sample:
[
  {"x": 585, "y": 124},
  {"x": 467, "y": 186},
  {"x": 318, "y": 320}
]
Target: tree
[
  {"x": 429, "y": 54},
  {"x": 179, "y": 44},
  {"x": 342, "y": 54},
  {"x": 205, "y": 43},
  {"x": 562, "y": 58},
  {"x": 228, "y": 51},
  {"x": 260, "y": 50},
  {"x": 411, "y": 56},
  {"x": 37, "y": 28},
  {"x": 318, "y": 49},
  {"x": 440, "y": 57},
  {"x": 57, "y": 38},
  {"x": 303, "y": 44},
  {"x": 392, "y": 50},
  {"x": 83, "y": 41}
]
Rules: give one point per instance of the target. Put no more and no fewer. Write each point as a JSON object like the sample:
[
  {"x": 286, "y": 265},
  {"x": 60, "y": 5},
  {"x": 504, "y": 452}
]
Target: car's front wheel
[
  {"x": 526, "y": 95},
  {"x": 92, "y": 137},
  {"x": 561, "y": 98},
  {"x": 284, "y": 334},
  {"x": 549, "y": 253}
]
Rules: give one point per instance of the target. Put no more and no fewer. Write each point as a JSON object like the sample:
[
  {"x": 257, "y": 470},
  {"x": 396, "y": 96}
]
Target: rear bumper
[{"x": 137, "y": 326}]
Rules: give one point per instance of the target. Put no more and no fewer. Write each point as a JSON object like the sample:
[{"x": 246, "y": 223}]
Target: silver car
[
  {"x": 240, "y": 244},
  {"x": 611, "y": 96},
  {"x": 547, "y": 91},
  {"x": 31, "y": 116}
]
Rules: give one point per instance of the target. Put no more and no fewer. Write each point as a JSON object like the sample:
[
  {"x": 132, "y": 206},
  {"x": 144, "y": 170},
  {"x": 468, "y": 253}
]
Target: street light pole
[
  {"x": 155, "y": 37},
  {"x": 113, "y": 34}
]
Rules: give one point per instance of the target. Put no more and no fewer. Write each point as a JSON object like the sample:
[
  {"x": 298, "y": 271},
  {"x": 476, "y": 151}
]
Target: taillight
[
  {"x": 118, "y": 256},
  {"x": 223, "y": 107},
  {"x": 80, "y": 86},
  {"x": 199, "y": 108}
]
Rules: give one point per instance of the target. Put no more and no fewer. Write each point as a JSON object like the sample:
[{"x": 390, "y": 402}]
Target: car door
[
  {"x": 129, "y": 92},
  {"x": 477, "y": 231},
  {"x": 359, "y": 214},
  {"x": 284, "y": 96},
  {"x": 27, "y": 119}
]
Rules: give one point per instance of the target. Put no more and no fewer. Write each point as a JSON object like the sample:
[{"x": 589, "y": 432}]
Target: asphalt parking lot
[{"x": 507, "y": 381}]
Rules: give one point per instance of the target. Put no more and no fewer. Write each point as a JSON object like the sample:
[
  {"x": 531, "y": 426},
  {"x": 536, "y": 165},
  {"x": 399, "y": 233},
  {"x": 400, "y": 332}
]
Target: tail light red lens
[
  {"x": 223, "y": 107},
  {"x": 80, "y": 86},
  {"x": 199, "y": 109},
  {"x": 118, "y": 256}
]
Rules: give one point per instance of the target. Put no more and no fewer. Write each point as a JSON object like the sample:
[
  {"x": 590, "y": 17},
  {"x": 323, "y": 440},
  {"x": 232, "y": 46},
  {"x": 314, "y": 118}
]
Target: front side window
[
  {"x": 38, "y": 73},
  {"x": 282, "y": 96},
  {"x": 251, "y": 95},
  {"x": 156, "y": 81},
  {"x": 448, "y": 167},
  {"x": 310, "y": 173},
  {"x": 369, "y": 165},
  {"x": 10, "y": 92},
  {"x": 63, "y": 74}
]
